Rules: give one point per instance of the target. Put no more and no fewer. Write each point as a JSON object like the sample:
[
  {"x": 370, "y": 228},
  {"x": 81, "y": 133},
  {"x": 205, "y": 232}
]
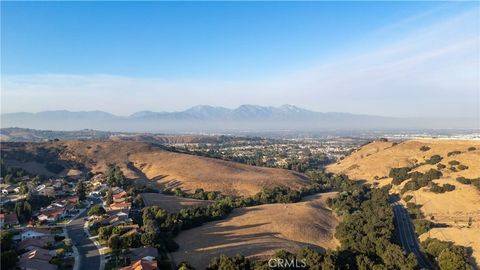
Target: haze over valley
[{"x": 240, "y": 135}]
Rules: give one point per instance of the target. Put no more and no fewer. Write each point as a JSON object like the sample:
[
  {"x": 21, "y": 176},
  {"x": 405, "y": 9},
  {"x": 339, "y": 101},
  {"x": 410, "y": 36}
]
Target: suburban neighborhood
[{"x": 53, "y": 223}]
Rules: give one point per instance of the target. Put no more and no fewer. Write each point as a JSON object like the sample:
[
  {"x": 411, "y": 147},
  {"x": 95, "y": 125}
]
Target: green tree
[
  {"x": 81, "y": 191},
  {"x": 9, "y": 259},
  {"x": 448, "y": 260},
  {"x": 114, "y": 242},
  {"x": 97, "y": 210},
  {"x": 109, "y": 197}
]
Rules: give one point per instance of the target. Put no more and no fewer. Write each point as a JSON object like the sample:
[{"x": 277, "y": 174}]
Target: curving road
[{"x": 406, "y": 233}]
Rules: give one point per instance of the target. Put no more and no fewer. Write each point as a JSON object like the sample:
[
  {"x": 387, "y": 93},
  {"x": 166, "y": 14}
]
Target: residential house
[
  {"x": 143, "y": 252},
  {"x": 34, "y": 233},
  {"x": 36, "y": 264},
  {"x": 47, "y": 191},
  {"x": 117, "y": 217},
  {"x": 35, "y": 243},
  {"x": 57, "y": 183},
  {"x": 120, "y": 197},
  {"x": 9, "y": 219},
  {"x": 39, "y": 254},
  {"x": 143, "y": 264},
  {"x": 7, "y": 189},
  {"x": 117, "y": 190},
  {"x": 97, "y": 180},
  {"x": 37, "y": 259},
  {"x": 120, "y": 205},
  {"x": 52, "y": 214}
]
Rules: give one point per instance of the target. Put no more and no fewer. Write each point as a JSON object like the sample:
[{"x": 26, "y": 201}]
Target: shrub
[
  {"x": 464, "y": 180},
  {"x": 433, "y": 174},
  {"x": 96, "y": 210},
  {"x": 399, "y": 175},
  {"x": 424, "y": 148},
  {"x": 422, "y": 226},
  {"x": 441, "y": 166},
  {"x": 472, "y": 148},
  {"x": 462, "y": 167},
  {"x": 441, "y": 189},
  {"x": 407, "y": 198},
  {"x": 453, "y": 153},
  {"x": 434, "y": 160},
  {"x": 453, "y": 162}
]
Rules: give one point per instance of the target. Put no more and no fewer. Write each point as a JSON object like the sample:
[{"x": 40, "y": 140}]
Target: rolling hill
[
  {"x": 146, "y": 161},
  {"x": 258, "y": 231},
  {"x": 454, "y": 209}
]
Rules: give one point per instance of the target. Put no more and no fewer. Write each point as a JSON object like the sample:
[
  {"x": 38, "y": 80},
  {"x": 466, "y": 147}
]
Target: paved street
[
  {"x": 406, "y": 233},
  {"x": 88, "y": 252}
]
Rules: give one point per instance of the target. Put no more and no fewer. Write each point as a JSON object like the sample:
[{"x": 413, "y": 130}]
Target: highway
[{"x": 406, "y": 234}]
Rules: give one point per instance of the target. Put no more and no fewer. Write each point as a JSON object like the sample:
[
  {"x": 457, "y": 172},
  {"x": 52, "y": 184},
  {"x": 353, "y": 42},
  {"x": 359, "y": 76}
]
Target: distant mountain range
[{"x": 204, "y": 118}]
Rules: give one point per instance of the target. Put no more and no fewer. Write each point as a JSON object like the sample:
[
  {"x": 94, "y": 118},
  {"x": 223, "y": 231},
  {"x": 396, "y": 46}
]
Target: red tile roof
[{"x": 142, "y": 265}]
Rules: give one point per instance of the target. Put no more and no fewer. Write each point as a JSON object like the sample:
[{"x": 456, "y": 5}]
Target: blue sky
[{"x": 370, "y": 57}]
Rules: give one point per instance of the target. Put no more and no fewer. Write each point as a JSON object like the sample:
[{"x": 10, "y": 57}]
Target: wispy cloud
[{"x": 432, "y": 70}]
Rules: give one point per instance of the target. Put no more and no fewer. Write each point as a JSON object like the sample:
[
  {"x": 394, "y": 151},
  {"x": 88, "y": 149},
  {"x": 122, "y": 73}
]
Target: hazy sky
[{"x": 384, "y": 58}]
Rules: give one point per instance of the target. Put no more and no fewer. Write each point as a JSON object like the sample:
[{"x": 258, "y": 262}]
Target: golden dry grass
[
  {"x": 258, "y": 231},
  {"x": 140, "y": 160},
  {"x": 172, "y": 204},
  {"x": 452, "y": 208},
  {"x": 192, "y": 172}
]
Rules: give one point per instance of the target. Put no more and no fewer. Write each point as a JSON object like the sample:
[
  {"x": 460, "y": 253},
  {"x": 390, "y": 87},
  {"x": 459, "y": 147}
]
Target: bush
[
  {"x": 441, "y": 166},
  {"x": 424, "y": 148},
  {"x": 472, "y": 148},
  {"x": 464, "y": 180},
  {"x": 453, "y": 162},
  {"x": 399, "y": 175},
  {"x": 96, "y": 210},
  {"x": 434, "y": 160},
  {"x": 407, "y": 198},
  {"x": 462, "y": 167},
  {"x": 432, "y": 174},
  {"x": 453, "y": 153},
  {"x": 422, "y": 226},
  {"x": 441, "y": 189}
]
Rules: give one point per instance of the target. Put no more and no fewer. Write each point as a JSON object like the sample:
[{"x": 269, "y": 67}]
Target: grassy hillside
[
  {"x": 258, "y": 231},
  {"x": 140, "y": 160},
  {"x": 459, "y": 209}
]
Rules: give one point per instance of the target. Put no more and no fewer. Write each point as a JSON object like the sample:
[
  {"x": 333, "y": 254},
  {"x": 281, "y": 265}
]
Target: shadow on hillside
[{"x": 250, "y": 240}]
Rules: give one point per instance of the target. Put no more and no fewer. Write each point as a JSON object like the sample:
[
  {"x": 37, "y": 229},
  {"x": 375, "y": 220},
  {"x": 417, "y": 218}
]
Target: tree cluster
[
  {"x": 365, "y": 233},
  {"x": 434, "y": 160},
  {"x": 115, "y": 177},
  {"x": 435, "y": 188},
  {"x": 447, "y": 255},
  {"x": 399, "y": 175},
  {"x": 419, "y": 180},
  {"x": 469, "y": 181},
  {"x": 9, "y": 255}
]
